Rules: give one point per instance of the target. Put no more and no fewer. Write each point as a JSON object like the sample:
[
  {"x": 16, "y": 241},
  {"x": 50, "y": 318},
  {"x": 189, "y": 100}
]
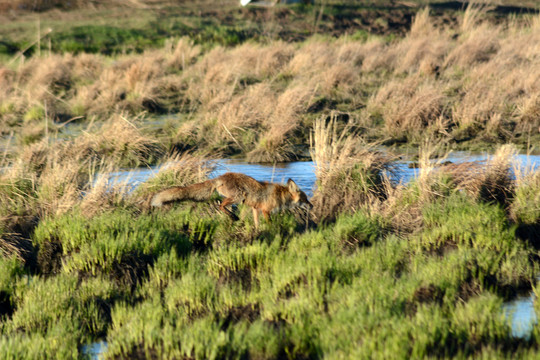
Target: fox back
[{"x": 260, "y": 195}]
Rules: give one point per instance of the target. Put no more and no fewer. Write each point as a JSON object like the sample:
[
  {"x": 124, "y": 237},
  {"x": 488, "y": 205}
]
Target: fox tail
[{"x": 196, "y": 192}]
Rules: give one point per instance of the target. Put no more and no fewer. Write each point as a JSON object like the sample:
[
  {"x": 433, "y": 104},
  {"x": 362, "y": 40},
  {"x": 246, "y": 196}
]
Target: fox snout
[{"x": 298, "y": 196}]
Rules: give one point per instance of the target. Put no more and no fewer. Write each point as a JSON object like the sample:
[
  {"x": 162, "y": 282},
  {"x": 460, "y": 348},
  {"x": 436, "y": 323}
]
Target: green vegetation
[
  {"x": 418, "y": 270},
  {"x": 376, "y": 270},
  {"x": 188, "y": 283}
]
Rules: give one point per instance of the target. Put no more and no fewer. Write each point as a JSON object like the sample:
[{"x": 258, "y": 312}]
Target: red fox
[{"x": 238, "y": 188}]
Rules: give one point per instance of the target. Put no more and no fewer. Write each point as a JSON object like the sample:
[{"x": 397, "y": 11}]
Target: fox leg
[
  {"x": 266, "y": 215},
  {"x": 222, "y": 207},
  {"x": 256, "y": 217}
]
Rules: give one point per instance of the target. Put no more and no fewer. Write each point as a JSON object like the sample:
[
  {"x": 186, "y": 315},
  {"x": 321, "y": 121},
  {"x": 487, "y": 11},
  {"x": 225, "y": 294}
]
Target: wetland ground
[{"x": 378, "y": 269}]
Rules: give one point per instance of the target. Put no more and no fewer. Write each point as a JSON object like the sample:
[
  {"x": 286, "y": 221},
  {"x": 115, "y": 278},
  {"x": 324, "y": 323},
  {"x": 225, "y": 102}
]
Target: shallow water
[
  {"x": 94, "y": 350},
  {"x": 303, "y": 172},
  {"x": 6, "y": 145},
  {"x": 520, "y": 312}
]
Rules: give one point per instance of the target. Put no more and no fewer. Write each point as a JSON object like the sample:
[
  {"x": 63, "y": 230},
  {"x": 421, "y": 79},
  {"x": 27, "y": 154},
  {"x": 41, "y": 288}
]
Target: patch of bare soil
[{"x": 394, "y": 18}]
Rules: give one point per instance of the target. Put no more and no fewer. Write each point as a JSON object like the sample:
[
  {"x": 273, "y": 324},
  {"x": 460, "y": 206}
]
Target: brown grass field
[{"x": 470, "y": 84}]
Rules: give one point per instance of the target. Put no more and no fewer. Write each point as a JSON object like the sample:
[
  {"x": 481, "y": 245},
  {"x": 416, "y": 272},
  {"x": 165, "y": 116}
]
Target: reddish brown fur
[{"x": 238, "y": 188}]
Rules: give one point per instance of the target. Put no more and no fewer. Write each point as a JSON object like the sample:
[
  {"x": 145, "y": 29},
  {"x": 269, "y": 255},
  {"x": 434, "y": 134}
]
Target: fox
[{"x": 237, "y": 188}]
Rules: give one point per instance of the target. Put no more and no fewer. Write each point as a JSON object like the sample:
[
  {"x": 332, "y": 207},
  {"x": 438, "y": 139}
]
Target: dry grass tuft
[
  {"x": 45, "y": 81},
  {"x": 101, "y": 196},
  {"x": 473, "y": 15},
  {"x": 52, "y": 73},
  {"x": 285, "y": 117},
  {"x": 529, "y": 113},
  {"x": 409, "y": 107},
  {"x": 491, "y": 181},
  {"x": 34, "y": 157},
  {"x": 331, "y": 70},
  {"x": 59, "y": 173},
  {"x": 422, "y": 25},
  {"x": 478, "y": 45},
  {"x": 380, "y": 56},
  {"x": 14, "y": 245},
  {"x": 429, "y": 178},
  {"x": 87, "y": 67},
  {"x": 60, "y": 185},
  {"x": 404, "y": 204},
  {"x": 221, "y": 72},
  {"x": 6, "y": 76},
  {"x": 184, "y": 53},
  {"x": 247, "y": 110},
  {"x": 310, "y": 58},
  {"x": 424, "y": 49},
  {"x": 269, "y": 151},
  {"x": 119, "y": 141},
  {"x": 349, "y": 173}
]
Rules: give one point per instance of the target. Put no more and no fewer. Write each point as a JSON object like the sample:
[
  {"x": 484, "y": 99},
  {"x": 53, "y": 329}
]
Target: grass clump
[
  {"x": 56, "y": 315},
  {"x": 490, "y": 182},
  {"x": 12, "y": 271},
  {"x": 107, "y": 246},
  {"x": 525, "y": 207},
  {"x": 178, "y": 170},
  {"x": 358, "y": 230},
  {"x": 459, "y": 223},
  {"x": 349, "y": 175}
]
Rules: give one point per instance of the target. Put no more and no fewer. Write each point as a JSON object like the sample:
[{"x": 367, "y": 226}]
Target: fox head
[{"x": 299, "y": 197}]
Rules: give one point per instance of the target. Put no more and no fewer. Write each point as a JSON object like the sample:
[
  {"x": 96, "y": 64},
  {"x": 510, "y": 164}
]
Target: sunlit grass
[
  {"x": 191, "y": 283},
  {"x": 379, "y": 270}
]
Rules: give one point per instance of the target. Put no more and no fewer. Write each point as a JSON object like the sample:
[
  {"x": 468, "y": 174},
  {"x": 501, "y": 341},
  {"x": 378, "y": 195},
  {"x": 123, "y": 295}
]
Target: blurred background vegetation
[{"x": 123, "y": 26}]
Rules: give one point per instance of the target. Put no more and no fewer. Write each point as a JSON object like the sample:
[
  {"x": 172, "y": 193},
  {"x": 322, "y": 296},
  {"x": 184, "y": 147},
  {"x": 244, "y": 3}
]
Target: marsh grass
[
  {"x": 51, "y": 178},
  {"x": 180, "y": 169},
  {"x": 188, "y": 282},
  {"x": 490, "y": 182},
  {"x": 101, "y": 196},
  {"x": 468, "y": 85},
  {"x": 350, "y": 174},
  {"x": 474, "y": 83},
  {"x": 328, "y": 280},
  {"x": 525, "y": 207},
  {"x": 386, "y": 270}
]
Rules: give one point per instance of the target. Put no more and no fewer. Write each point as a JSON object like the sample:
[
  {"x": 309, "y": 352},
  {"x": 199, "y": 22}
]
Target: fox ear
[{"x": 292, "y": 186}]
